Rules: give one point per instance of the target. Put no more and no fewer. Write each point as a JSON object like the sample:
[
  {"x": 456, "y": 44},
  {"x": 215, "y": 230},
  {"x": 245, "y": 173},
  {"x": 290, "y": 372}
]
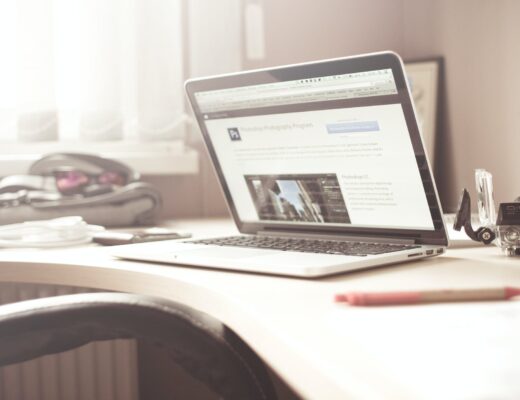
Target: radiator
[{"x": 97, "y": 371}]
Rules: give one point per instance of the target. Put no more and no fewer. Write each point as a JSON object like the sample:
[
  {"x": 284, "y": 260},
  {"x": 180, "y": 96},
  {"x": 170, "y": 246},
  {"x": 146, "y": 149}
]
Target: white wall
[
  {"x": 479, "y": 42},
  {"x": 305, "y": 30}
]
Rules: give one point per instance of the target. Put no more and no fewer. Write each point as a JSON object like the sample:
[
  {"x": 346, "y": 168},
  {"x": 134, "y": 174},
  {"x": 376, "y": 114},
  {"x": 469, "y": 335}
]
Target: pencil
[{"x": 427, "y": 296}]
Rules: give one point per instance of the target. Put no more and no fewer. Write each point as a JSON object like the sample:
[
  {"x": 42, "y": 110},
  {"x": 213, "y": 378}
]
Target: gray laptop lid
[{"x": 327, "y": 147}]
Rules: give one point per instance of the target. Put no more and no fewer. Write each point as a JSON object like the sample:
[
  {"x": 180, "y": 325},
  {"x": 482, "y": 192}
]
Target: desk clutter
[
  {"x": 57, "y": 232},
  {"x": 503, "y": 229},
  {"x": 100, "y": 190},
  {"x": 73, "y": 231}
]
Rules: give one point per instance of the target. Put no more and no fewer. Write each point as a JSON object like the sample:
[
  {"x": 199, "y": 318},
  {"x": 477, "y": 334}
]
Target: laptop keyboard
[{"x": 360, "y": 249}]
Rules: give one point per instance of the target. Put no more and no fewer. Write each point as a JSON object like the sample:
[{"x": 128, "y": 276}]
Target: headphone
[{"x": 42, "y": 183}]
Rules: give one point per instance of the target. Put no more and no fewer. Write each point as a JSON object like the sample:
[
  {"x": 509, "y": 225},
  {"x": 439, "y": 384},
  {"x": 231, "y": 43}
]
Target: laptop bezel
[{"x": 368, "y": 62}]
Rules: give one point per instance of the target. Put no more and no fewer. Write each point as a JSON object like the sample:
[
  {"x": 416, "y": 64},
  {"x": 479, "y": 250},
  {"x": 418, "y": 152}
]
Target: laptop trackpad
[{"x": 221, "y": 252}]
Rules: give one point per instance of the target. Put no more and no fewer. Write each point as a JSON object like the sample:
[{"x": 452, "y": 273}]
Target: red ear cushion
[{"x": 88, "y": 163}]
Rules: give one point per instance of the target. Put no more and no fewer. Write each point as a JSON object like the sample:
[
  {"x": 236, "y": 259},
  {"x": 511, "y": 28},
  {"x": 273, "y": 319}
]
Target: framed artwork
[{"x": 423, "y": 77}]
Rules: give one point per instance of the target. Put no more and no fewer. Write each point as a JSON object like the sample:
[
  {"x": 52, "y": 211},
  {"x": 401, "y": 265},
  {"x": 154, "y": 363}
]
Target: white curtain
[{"x": 108, "y": 70}]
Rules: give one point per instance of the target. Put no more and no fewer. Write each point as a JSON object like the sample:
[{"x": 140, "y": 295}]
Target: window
[{"x": 106, "y": 76}]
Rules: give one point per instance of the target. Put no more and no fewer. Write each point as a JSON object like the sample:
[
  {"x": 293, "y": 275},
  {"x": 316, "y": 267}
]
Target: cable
[{"x": 58, "y": 232}]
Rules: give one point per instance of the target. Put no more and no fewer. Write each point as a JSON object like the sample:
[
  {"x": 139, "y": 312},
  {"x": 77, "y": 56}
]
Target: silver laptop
[{"x": 323, "y": 168}]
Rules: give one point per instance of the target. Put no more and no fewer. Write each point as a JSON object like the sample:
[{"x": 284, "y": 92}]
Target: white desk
[{"x": 326, "y": 350}]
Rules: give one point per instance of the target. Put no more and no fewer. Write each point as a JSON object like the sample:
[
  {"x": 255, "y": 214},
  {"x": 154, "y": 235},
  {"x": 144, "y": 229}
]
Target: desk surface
[{"x": 322, "y": 349}]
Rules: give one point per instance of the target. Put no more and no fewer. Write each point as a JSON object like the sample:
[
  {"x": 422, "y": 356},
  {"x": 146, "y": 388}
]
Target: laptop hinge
[{"x": 344, "y": 237}]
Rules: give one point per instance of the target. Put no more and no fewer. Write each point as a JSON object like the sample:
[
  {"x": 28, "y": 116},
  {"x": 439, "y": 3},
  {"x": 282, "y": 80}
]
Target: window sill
[{"x": 155, "y": 158}]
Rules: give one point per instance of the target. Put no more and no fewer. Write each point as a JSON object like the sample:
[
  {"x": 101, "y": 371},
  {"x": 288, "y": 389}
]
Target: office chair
[{"x": 204, "y": 347}]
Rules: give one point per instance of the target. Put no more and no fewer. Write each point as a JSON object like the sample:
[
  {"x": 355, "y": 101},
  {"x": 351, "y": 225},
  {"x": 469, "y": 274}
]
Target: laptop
[{"x": 323, "y": 168}]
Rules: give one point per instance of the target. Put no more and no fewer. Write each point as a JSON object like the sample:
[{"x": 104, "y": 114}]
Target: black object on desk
[{"x": 113, "y": 238}]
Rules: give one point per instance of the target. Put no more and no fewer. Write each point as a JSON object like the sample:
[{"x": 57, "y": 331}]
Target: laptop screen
[{"x": 331, "y": 150}]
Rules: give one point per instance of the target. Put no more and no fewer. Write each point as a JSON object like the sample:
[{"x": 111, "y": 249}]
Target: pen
[{"x": 426, "y": 296}]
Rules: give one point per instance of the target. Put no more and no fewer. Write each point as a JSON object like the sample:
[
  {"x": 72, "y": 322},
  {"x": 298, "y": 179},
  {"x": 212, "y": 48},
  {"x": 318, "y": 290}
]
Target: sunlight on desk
[{"x": 441, "y": 351}]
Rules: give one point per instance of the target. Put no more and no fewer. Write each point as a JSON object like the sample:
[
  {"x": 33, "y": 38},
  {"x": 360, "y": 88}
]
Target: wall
[
  {"x": 481, "y": 128},
  {"x": 296, "y": 31},
  {"x": 479, "y": 42}
]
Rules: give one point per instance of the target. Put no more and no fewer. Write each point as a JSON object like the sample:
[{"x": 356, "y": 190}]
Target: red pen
[{"x": 426, "y": 296}]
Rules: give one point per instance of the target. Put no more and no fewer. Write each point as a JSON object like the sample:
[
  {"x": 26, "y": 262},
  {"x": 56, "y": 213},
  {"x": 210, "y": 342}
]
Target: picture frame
[{"x": 424, "y": 79}]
